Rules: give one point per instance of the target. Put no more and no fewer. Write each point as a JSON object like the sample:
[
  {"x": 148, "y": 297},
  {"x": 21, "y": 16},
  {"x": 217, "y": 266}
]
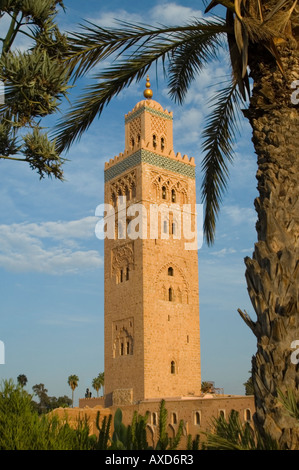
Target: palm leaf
[
  {"x": 95, "y": 43},
  {"x": 231, "y": 434},
  {"x": 219, "y": 135},
  {"x": 134, "y": 67},
  {"x": 189, "y": 59}
]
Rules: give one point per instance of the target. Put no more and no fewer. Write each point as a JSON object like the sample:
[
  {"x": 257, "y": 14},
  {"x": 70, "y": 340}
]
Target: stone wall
[{"x": 197, "y": 413}]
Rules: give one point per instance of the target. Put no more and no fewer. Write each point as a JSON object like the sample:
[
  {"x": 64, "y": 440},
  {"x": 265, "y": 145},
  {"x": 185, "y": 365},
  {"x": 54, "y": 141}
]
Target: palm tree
[
  {"x": 261, "y": 39},
  {"x": 98, "y": 382},
  {"x": 22, "y": 380},
  {"x": 73, "y": 383}
]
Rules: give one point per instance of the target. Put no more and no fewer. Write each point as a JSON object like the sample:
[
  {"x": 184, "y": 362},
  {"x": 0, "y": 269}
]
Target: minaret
[{"x": 152, "y": 344}]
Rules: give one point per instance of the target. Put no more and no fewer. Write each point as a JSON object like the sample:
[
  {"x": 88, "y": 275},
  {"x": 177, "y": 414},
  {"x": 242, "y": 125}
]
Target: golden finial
[{"x": 148, "y": 93}]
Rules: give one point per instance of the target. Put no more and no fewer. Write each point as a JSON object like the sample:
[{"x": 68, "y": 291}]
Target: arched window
[
  {"x": 138, "y": 138},
  {"x": 163, "y": 192},
  {"x": 221, "y": 414},
  {"x": 132, "y": 143},
  {"x": 128, "y": 348},
  {"x": 174, "y": 418},
  {"x": 128, "y": 273},
  {"x": 173, "y": 228},
  {"x": 121, "y": 275},
  {"x": 170, "y": 294},
  {"x": 247, "y": 415},
  {"x": 114, "y": 200},
  {"x": 162, "y": 143},
  {"x": 197, "y": 418},
  {"x": 173, "y": 195},
  {"x": 128, "y": 195},
  {"x": 170, "y": 271},
  {"x": 172, "y": 367},
  {"x": 154, "y": 141},
  {"x": 121, "y": 349},
  {"x": 154, "y": 419}
]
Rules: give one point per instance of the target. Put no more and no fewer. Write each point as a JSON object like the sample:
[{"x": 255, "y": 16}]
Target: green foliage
[
  {"x": 133, "y": 436},
  {"x": 22, "y": 380},
  {"x": 193, "y": 444},
  {"x": 98, "y": 382},
  {"x": 35, "y": 83},
  {"x": 102, "y": 443},
  {"x": 290, "y": 401},
  {"x": 231, "y": 434},
  {"x": 22, "y": 428},
  {"x": 73, "y": 383},
  {"x": 249, "y": 389},
  {"x": 47, "y": 403}
]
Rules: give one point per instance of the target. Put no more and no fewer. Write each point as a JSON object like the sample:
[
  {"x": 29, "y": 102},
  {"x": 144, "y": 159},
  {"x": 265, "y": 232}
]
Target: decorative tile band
[
  {"x": 153, "y": 111},
  {"x": 145, "y": 156}
]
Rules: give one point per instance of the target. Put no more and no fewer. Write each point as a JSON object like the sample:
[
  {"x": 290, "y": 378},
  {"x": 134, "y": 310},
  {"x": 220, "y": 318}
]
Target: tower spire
[{"x": 148, "y": 93}]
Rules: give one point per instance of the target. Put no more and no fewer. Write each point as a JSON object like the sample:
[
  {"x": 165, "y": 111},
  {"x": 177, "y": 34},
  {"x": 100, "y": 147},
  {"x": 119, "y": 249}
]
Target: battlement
[{"x": 172, "y": 155}]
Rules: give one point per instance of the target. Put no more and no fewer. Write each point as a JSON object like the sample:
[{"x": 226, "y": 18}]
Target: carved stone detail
[{"x": 122, "y": 256}]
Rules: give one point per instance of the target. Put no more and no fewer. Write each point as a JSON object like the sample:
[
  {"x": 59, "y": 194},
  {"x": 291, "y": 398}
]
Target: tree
[
  {"x": 98, "y": 382},
  {"x": 23, "y": 428},
  {"x": 60, "y": 402},
  {"x": 207, "y": 387},
  {"x": 44, "y": 400},
  {"x": 232, "y": 434},
  {"x": 249, "y": 390},
  {"x": 261, "y": 39},
  {"x": 35, "y": 82},
  {"x": 22, "y": 380},
  {"x": 73, "y": 383}
]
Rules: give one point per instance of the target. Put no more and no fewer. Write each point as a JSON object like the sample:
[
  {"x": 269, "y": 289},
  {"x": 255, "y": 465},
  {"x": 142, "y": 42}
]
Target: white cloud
[
  {"x": 171, "y": 14},
  {"x": 29, "y": 247},
  {"x": 240, "y": 215},
  {"x": 188, "y": 126},
  {"x": 168, "y": 13},
  {"x": 110, "y": 18},
  {"x": 224, "y": 252}
]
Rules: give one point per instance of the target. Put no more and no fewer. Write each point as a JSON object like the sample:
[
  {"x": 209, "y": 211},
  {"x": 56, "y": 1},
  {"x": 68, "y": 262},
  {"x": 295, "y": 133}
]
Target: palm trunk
[{"x": 273, "y": 272}]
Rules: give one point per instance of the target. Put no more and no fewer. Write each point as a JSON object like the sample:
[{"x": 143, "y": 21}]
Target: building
[
  {"x": 152, "y": 328},
  {"x": 152, "y": 347}
]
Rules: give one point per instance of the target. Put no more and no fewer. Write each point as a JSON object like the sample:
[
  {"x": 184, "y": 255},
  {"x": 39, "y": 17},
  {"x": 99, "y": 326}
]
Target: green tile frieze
[{"x": 145, "y": 156}]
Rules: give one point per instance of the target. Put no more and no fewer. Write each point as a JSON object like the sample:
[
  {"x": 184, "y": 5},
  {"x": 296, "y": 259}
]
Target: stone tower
[{"x": 152, "y": 345}]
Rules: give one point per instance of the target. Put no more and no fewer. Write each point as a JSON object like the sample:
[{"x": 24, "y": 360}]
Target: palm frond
[
  {"x": 290, "y": 401},
  {"x": 232, "y": 434},
  {"x": 134, "y": 67},
  {"x": 219, "y": 135},
  {"x": 189, "y": 59},
  {"x": 94, "y": 43}
]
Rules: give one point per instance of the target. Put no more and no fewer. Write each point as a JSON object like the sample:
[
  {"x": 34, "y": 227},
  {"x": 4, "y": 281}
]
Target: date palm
[
  {"x": 261, "y": 39},
  {"x": 73, "y": 383},
  {"x": 98, "y": 382}
]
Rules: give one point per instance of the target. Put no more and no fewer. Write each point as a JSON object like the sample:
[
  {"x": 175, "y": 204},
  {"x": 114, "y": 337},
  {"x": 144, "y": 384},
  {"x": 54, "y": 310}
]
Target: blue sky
[{"x": 51, "y": 263}]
